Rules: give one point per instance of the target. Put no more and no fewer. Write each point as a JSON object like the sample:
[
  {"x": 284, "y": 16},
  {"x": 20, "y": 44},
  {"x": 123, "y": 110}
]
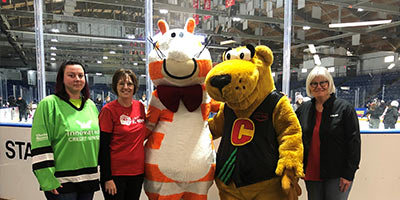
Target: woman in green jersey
[{"x": 65, "y": 138}]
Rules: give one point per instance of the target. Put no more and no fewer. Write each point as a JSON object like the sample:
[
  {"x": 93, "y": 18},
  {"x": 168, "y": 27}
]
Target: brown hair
[
  {"x": 120, "y": 74},
  {"x": 60, "y": 86}
]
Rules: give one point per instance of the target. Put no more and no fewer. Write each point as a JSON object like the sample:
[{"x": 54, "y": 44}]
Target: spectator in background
[
  {"x": 65, "y": 138},
  {"x": 107, "y": 100},
  {"x": 1, "y": 102},
  {"x": 298, "y": 101},
  {"x": 122, "y": 125},
  {"x": 391, "y": 115},
  {"x": 11, "y": 101},
  {"x": 331, "y": 139},
  {"x": 373, "y": 114},
  {"x": 22, "y": 108},
  {"x": 99, "y": 103}
]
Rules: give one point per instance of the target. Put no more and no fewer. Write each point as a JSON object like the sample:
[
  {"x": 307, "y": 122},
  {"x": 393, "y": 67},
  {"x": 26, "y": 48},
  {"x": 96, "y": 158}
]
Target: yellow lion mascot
[{"x": 261, "y": 151}]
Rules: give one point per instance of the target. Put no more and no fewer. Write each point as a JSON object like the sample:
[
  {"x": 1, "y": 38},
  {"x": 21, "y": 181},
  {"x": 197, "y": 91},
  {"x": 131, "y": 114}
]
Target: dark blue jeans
[
  {"x": 69, "y": 196},
  {"x": 326, "y": 190}
]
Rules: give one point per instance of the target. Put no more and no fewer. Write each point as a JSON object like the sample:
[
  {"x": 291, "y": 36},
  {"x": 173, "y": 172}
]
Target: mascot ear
[
  {"x": 190, "y": 25},
  {"x": 264, "y": 53},
  {"x": 252, "y": 49},
  {"x": 163, "y": 26}
]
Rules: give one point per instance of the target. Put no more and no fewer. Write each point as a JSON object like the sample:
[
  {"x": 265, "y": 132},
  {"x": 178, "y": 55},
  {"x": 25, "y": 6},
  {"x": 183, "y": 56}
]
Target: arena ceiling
[{"x": 96, "y": 31}]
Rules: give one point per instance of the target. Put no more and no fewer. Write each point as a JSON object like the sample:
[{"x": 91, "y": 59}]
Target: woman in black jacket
[{"x": 331, "y": 139}]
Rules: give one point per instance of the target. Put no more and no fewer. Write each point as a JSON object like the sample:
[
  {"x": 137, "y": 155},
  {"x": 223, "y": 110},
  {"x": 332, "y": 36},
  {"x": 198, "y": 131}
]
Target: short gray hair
[{"x": 320, "y": 71}]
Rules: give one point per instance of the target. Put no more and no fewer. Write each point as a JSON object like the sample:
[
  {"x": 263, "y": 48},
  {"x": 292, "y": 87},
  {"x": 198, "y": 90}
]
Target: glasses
[{"x": 323, "y": 84}]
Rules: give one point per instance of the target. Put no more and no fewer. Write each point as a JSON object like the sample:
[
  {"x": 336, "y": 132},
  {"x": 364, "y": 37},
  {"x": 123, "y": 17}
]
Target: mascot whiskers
[
  {"x": 180, "y": 157},
  {"x": 261, "y": 152}
]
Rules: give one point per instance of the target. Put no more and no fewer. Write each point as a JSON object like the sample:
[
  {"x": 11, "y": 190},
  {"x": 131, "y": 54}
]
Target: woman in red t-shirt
[{"x": 122, "y": 126}]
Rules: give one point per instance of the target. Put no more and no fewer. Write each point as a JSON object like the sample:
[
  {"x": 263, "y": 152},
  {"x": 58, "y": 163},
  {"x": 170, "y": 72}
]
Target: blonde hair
[{"x": 320, "y": 71}]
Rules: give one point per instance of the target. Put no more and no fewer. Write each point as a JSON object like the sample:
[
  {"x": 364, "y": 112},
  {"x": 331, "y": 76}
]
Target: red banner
[
  {"x": 196, "y": 6},
  {"x": 229, "y": 3},
  {"x": 207, "y": 6}
]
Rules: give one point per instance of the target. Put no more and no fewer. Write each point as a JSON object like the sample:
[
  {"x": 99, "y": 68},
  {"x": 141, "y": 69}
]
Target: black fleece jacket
[{"x": 339, "y": 135}]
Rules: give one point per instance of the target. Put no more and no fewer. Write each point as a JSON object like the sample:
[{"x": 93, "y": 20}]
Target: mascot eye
[
  {"x": 245, "y": 54},
  {"x": 173, "y": 35},
  {"x": 228, "y": 56}
]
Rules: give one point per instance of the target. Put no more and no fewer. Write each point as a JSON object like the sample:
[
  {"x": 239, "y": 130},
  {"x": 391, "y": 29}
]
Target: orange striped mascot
[{"x": 180, "y": 156}]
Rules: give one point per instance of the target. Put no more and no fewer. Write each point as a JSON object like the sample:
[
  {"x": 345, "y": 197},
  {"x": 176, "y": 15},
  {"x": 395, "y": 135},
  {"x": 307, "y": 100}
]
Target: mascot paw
[{"x": 290, "y": 184}]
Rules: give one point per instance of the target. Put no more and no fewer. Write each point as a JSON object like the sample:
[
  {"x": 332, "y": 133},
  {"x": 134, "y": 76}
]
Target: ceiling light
[
  {"x": 391, "y": 66},
  {"x": 112, "y": 52},
  {"x": 120, "y": 45},
  {"x": 144, "y": 59},
  {"x": 53, "y": 54},
  {"x": 304, "y": 70},
  {"x": 135, "y": 63},
  {"x": 227, "y": 42},
  {"x": 105, "y": 57},
  {"x": 99, "y": 73},
  {"x": 384, "y": 38},
  {"x": 389, "y": 59},
  {"x": 53, "y": 48},
  {"x": 54, "y": 40},
  {"x": 130, "y": 36},
  {"x": 236, "y": 19},
  {"x": 99, "y": 62},
  {"x": 366, "y": 23},
  {"x": 360, "y": 9},
  {"x": 312, "y": 49},
  {"x": 306, "y": 27},
  {"x": 163, "y": 11},
  {"x": 54, "y": 30},
  {"x": 317, "y": 60},
  {"x": 53, "y": 59}
]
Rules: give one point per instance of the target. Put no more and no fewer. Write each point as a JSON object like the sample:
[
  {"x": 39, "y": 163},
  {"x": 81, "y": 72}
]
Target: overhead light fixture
[
  {"x": 135, "y": 63},
  {"x": 163, "y": 11},
  {"x": 112, "y": 52},
  {"x": 312, "y": 48},
  {"x": 99, "y": 62},
  {"x": 304, "y": 70},
  {"x": 391, "y": 66},
  {"x": 53, "y": 48},
  {"x": 53, "y": 59},
  {"x": 54, "y": 30},
  {"x": 236, "y": 19},
  {"x": 353, "y": 24},
  {"x": 384, "y": 38},
  {"x": 360, "y": 9},
  {"x": 130, "y": 36},
  {"x": 53, "y": 54},
  {"x": 120, "y": 45},
  {"x": 99, "y": 73},
  {"x": 54, "y": 40},
  {"x": 317, "y": 60},
  {"x": 227, "y": 42},
  {"x": 105, "y": 57},
  {"x": 306, "y": 27},
  {"x": 389, "y": 59}
]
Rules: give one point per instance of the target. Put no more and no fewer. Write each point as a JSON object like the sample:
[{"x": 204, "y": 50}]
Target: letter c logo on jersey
[{"x": 242, "y": 132}]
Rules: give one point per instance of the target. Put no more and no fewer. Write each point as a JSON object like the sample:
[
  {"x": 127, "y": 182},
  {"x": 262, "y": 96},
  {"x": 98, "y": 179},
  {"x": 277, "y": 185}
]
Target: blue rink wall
[{"x": 378, "y": 176}]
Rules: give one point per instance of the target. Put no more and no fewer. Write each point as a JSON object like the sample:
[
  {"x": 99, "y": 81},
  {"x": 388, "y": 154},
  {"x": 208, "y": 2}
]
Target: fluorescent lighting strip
[{"x": 366, "y": 23}]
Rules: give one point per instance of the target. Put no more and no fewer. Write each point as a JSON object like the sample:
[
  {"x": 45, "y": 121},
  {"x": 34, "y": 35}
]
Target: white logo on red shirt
[{"x": 126, "y": 120}]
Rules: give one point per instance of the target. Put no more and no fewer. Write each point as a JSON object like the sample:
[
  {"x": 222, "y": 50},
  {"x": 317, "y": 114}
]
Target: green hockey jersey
[{"x": 65, "y": 145}]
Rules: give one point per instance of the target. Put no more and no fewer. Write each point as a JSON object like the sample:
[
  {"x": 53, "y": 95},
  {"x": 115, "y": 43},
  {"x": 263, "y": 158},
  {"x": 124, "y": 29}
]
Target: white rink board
[{"x": 377, "y": 178}]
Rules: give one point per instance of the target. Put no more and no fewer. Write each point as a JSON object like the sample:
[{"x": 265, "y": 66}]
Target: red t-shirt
[
  {"x": 127, "y": 126},
  {"x": 313, "y": 160}
]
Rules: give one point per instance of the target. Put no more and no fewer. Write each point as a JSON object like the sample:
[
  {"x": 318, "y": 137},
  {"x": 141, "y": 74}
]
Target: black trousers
[{"x": 128, "y": 187}]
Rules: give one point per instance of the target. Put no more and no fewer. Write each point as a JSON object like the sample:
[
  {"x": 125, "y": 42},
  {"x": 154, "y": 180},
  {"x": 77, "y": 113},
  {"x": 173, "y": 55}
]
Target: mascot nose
[{"x": 220, "y": 81}]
